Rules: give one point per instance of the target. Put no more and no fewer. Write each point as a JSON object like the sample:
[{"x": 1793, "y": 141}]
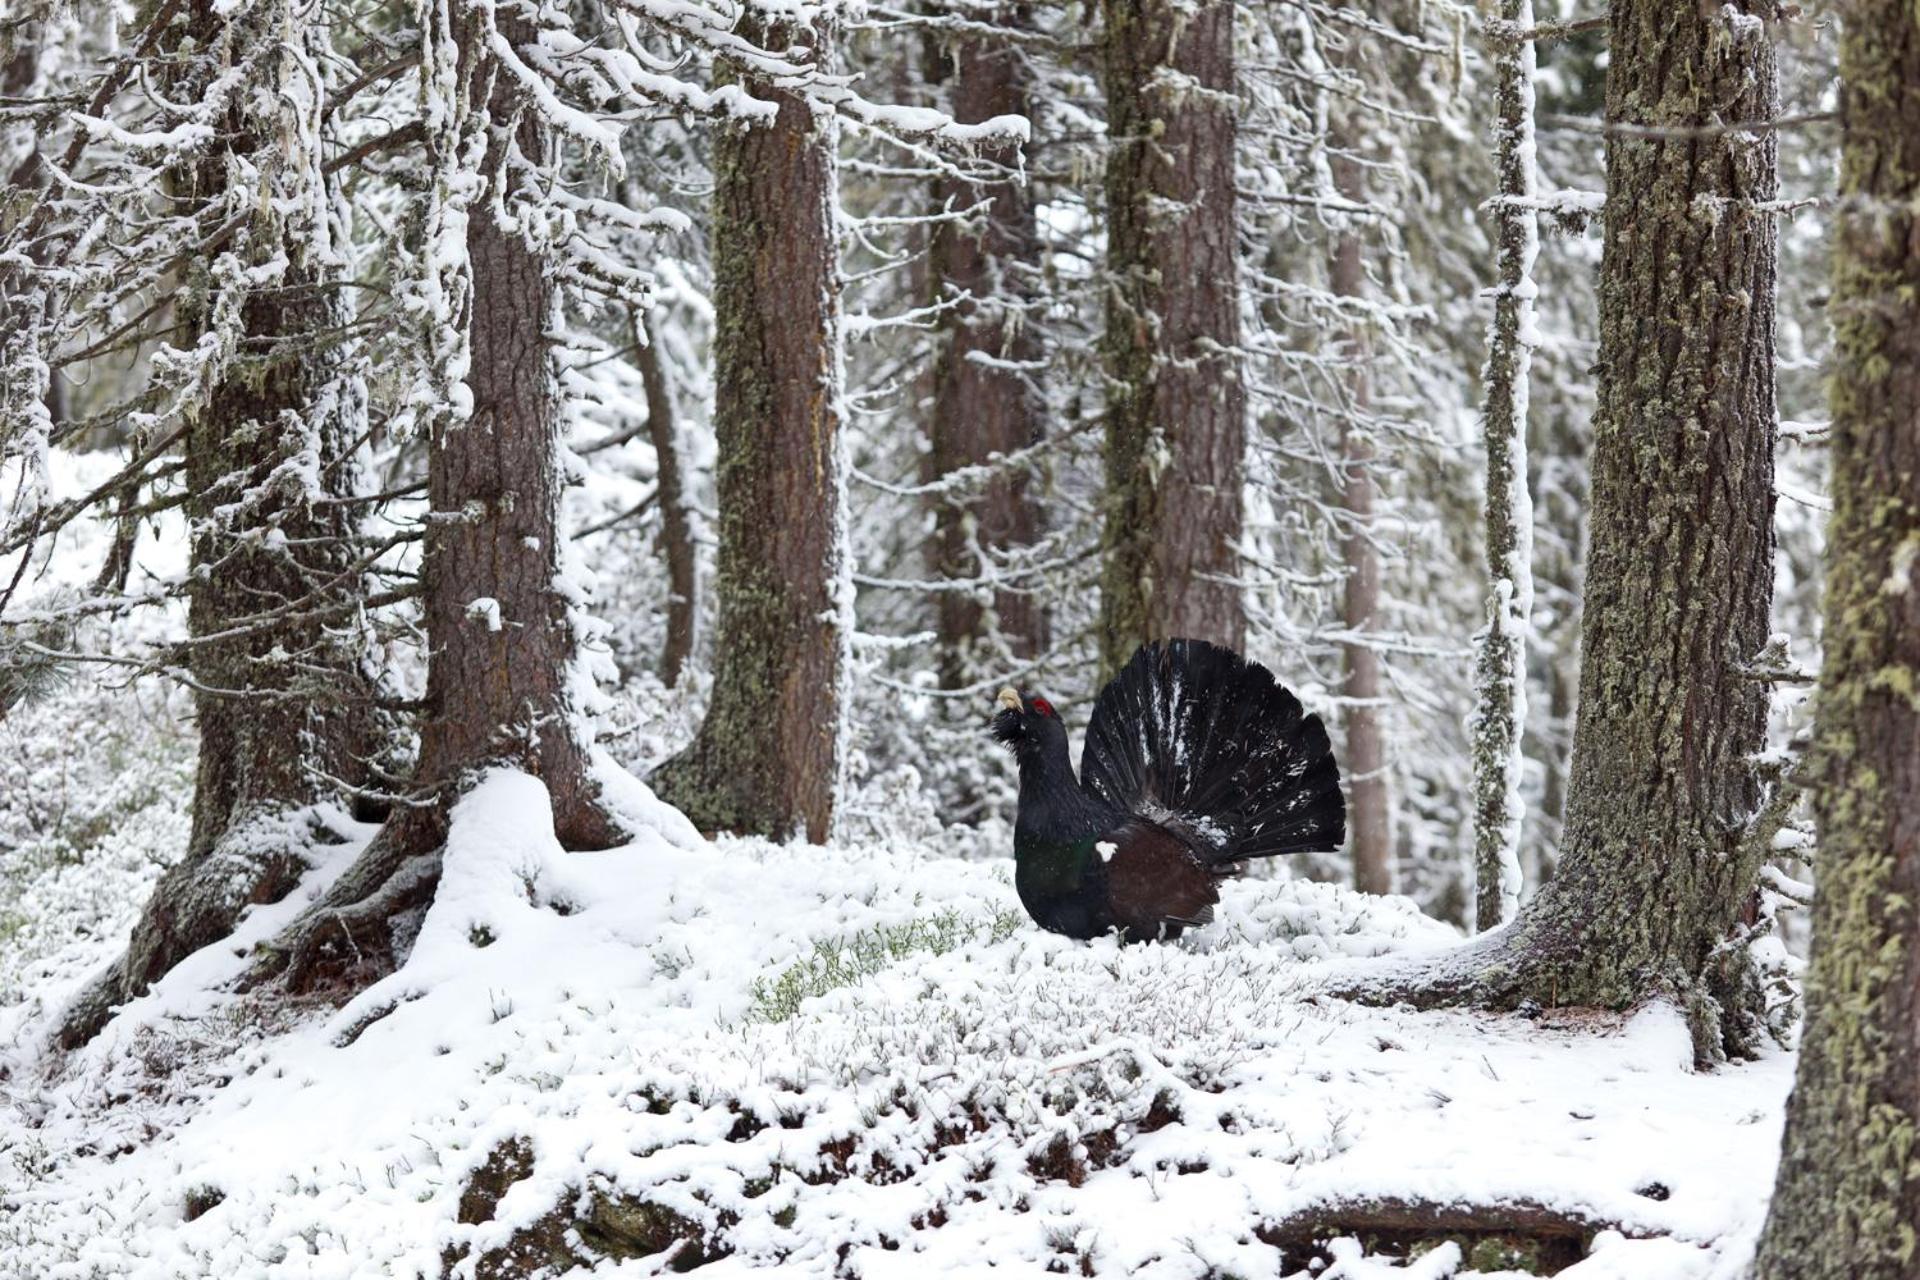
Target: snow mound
[{"x": 854, "y": 1061}]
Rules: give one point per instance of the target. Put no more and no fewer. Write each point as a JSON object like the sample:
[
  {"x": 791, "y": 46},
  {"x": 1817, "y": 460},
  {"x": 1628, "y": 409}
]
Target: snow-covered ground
[{"x": 851, "y": 1060}]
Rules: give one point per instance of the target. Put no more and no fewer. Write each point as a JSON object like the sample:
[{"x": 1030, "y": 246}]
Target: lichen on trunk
[
  {"x": 1176, "y": 411},
  {"x": 768, "y": 756},
  {"x": 1655, "y": 869},
  {"x": 1847, "y": 1200}
]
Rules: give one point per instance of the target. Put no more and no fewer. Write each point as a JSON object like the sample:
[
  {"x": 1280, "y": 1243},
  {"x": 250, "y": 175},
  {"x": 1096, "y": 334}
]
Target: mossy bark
[
  {"x": 1500, "y": 667},
  {"x": 1847, "y": 1200},
  {"x": 986, "y": 393},
  {"x": 767, "y": 758},
  {"x": 1656, "y": 869},
  {"x": 1176, "y": 411},
  {"x": 283, "y": 705}
]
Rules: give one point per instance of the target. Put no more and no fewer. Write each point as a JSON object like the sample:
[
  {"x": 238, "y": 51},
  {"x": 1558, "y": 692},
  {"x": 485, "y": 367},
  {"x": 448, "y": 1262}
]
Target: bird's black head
[{"x": 1027, "y": 723}]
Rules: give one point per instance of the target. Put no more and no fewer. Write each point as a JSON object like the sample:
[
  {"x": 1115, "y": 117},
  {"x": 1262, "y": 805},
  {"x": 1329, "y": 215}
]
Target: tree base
[{"x": 1529, "y": 971}]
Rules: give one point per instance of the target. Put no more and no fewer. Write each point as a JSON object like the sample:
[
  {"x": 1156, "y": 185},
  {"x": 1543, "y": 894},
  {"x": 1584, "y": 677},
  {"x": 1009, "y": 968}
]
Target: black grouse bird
[{"x": 1196, "y": 760}]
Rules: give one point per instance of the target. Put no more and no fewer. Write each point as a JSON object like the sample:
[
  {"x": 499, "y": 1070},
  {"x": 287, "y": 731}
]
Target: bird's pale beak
[{"x": 1009, "y": 699}]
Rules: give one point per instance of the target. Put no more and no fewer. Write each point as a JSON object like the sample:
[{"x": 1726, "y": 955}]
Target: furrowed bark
[
  {"x": 501, "y": 671},
  {"x": 1176, "y": 415},
  {"x": 1655, "y": 870},
  {"x": 986, "y": 396},
  {"x": 1369, "y": 820},
  {"x": 1847, "y": 1200},
  {"x": 768, "y": 756},
  {"x": 1500, "y": 716},
  {"x": 293, "y": 721}
]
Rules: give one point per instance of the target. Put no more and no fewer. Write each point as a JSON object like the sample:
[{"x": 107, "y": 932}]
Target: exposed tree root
[{"x": 1529, "y": 967}]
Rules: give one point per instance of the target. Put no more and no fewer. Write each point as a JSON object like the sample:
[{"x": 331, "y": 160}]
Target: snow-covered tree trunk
[
  {"x": 504, "y": 674},
  {"x": 768, "y": 756},
  {"x": 1176, "y": 416},
  {"x": 986, "y": 397},
  {"x": 1658, "y": 863},
  {"x": 282, "y": 705},
  {"x": 1369, "y": 819},
  {"x": 1500, "y": 717},
  {"x": 1846, "y": 1205}
]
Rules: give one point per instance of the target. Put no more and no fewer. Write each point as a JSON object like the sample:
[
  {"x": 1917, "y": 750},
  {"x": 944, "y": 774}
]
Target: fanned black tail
[{"x": 1197, "y": 733}]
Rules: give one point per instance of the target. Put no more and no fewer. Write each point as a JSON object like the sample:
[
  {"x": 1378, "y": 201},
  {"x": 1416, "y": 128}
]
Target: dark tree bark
[
  {"x": 676, "y": 528},
  {"x": 1176, "y": 417},
  {"x": 503, "y": 647},
  {"x": 986, "y": 397},
  {"x": 1655, "y": 866},
  {"x": 283, "y": 706},
  {"x": 1846, "y": 1205},
  {"x": 1369, "y": 817},
  {"x": 767, "y": 758}
]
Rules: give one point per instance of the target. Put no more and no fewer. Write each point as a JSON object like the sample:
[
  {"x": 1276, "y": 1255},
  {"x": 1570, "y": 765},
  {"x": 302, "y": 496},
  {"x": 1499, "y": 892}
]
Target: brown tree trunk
[
  {"x": 986, "y": 397},
  {"x": 1656, "y": 865},
  {"x": 283, "y": 707},
  {"x": 1369, "y": 818},
  {"x": 503, "y": 646},
  {"x": 676, "y": 528},
  {"x": 1846, "y": 1205},
  {"x": 1176, "y": 417},
  {"x": 767, "y": 758}
]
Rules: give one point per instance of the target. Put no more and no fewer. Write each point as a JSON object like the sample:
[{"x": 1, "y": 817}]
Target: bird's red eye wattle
[{"x": 1044, "y": 707}]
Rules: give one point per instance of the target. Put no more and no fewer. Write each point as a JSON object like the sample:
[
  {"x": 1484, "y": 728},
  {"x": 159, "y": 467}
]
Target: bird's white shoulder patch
[{"x": 1106, "y": 849}]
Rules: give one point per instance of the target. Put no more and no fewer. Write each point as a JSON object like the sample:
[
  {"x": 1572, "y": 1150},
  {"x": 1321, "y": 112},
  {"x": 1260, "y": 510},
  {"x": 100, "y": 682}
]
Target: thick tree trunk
[
  {"x": 676, "y": 527},
  {"x": 767, "y": 758},
  {"x": 283, "y": 706},
  {"x": 1500, "y": 716},
  {"x": 986, "y": 397},
  {"x": 1656, "y": 865},
  {"x": 1369, "y": 819},
  {"x": 501, "y": 667},
  {"x": 1679, "y": 580},
  {"x": 1847, "y": 1202},
  {"x": 1176, "y": 416}
]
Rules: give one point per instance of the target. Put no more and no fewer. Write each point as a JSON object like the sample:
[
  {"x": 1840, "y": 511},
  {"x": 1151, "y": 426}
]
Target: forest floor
[
  {"x": 848, "y": 1060},
  {"x": 856, "y": 1060}
]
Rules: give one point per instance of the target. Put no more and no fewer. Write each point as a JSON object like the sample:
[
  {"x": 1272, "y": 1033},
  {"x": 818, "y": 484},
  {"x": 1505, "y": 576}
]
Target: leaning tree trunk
[
  {"x": 1656, "y": 865},
  {"x": 767, "y": 758},
  {"x": 1369, "y": 818},
  {"x": 986, "y": 398},
  {"x": 1176, "y": 416},
  {"x": 502, "y": 636},
  {"x": 1846, "y": 1205},
  {"x": 282, "y": 704}
]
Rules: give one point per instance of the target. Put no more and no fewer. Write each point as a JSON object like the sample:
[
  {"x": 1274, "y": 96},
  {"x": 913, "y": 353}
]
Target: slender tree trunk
[
  {"x": 501, "y": 667},
  {"x": 1500, "y": 718},
  {"x": 986, "y": 397},
  {"x": 1369, "y": 819},
  {"x": 767, "y": 758},
  {"x": 676, "y": 527},
  {"x": 283, "y": 706},
  {"x": 1176, "y": 416},
  {"x": 1847, "y": 1202},
  {"x": 1657, "y": 863}
]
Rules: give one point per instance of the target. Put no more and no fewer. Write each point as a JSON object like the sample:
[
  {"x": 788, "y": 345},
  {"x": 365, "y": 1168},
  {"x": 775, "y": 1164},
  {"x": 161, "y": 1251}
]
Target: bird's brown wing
[{"x": 1156, "y": 881}]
